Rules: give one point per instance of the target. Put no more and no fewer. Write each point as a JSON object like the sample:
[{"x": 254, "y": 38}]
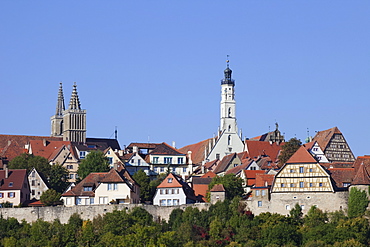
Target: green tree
[
  {"x": 58, "y": 178},
  {"x": 233, "y": 185},
  {"x": 29, "y": 161},
  {"x": 93, "y": 162},
  {"x": 288, "y": 149},
  {"x": 143, "y": 180},
  {"x": 296, "y": 214},
  {"x": 357, "y": 202},
  {"x": 50, "y": 197}
]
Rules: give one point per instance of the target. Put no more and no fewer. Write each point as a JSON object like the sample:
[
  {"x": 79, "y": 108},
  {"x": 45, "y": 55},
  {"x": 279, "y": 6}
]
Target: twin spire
[{"x": 74, "y": 103}]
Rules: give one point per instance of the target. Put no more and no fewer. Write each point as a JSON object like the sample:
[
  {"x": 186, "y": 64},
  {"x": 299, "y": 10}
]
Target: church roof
[
  {"x": 323, "y": 137},
  {"x": 302, "y": 156},
  {"x": 361, "y": 177}
]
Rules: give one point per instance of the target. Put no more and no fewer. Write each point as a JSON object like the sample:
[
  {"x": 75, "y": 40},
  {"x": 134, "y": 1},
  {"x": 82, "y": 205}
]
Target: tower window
[
  {"x": 229, "y": 140},
  {"x": 229, "y": 112}
]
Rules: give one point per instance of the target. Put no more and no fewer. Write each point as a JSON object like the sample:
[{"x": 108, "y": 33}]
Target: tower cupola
[{"x": 227, "y": 78}]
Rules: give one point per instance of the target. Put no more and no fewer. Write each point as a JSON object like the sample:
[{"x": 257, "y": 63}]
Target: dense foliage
[
  {"x": 224, "y": 224},
  {"x": 357, "y": 202},
  {"x": 288, "y": 149},
  {"x": 93, "y": 162},
  {"x": 233, "y": 185}
]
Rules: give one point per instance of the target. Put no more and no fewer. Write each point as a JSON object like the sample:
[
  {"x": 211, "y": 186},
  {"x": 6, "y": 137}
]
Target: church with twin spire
[{"x": 69, "y": 124}]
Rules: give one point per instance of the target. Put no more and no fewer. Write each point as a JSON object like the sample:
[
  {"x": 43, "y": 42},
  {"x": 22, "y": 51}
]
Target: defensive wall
[{"x": 31, "y": 214}]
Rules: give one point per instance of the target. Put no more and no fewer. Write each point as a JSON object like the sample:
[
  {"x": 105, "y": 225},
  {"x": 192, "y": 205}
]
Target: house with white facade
[
  {"x": 135, "y": 161},
  {"x": 173, "y": 191},
  {"x": 37, "y": 184},
  {"x": 115, "y": 187}
]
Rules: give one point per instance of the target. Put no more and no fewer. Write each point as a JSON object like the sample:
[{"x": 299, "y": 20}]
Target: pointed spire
[
  {"x": 60, "y": 103},
  {"x": 74, "y": 103}
]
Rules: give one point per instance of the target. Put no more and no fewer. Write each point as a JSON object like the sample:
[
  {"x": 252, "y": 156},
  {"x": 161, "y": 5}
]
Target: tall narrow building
[
  {"x": 74, "y": 120},
  {"x": 57, "y": 119},
  {"x": 229, "y": 141}
]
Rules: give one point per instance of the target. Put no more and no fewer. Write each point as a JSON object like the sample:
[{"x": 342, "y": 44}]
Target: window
[
  {"x": 169, "y": 202},
  {"x": 1, "y": 195},
  {"x": 162, "y": 169},
  {"x": 78, "y": 201},
  {"x": 257, "y": 192},
  {"x": 320, "y": 184},
  {"x": 176, "y": 202},
  {"x": 161, "y": 192},
  {"x": 112, "y": 186},
  {"x": 168, "y": 160},
  {"x": 33, "y": 174},
  {"x": 138, "y": 162},
  {"x": 162, "y": 202},
  {"x": 291, "y": 171},
  {"x": 155, "y": 169},
  {"x": 169, "y": 180},
  {"x": 110, "y": 160},
  {"x": 229, "y": 140},
  {"x": 33, "y": 183},
  {"x": 11, "y": 194},
  {"x": 311, "y": 184},
  {"x": 287, "y": 207},
  {"x": 11, "y": 184},
  {"x": 155, "y": 160},
  {"x": 311, "y": 170},
  {"x": 180, "y": 160},
  {"x": 71, "y": 176},
  {"x": 174, "y": 169},
  {"x": 70, "y": 167},
  {"x": 33, "y": 192},
  {"x": 166, "y": 191},
  {"x": 109, "y": 186},
  {"x": 291, "y": 185},
  {"x": 346, "y": 184},
  {"x": 132, "y": 161},
  {"x": 301, "y": 184},
  {"x": 103, "y": 200},
  {"x": 115, "y": 186},
  {"x": 218, "y": 156},
  {"x": 177, "y": 191},
  {"x": 88, "y": 188},
  {"x": 301, "y": 169},
  {"x": 82, "y": 154},
  {"x": 184, "y": 170},
  {"x": 92, "y": 200},
  {"x": 302, "y": 207},
  {"x": 263, "y": 192},
  {"x": 282, "y": 185},
  {"x": 315, "y": 149},
  {"x": 259, "y": 203}
]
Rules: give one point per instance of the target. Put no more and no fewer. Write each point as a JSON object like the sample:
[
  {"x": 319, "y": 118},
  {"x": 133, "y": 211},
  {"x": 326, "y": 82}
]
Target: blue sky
[{"x": 153, "y": 68}]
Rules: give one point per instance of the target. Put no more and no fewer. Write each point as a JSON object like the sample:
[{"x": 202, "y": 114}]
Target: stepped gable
[
  {"x": 198, "y": 150},
  {"x": 341, "y": 176},
  {"x": 361, "y": 177},
  {"x": 261, "y": 148},
  {"x": 218, "y": 188},
  {"x": 164, "y": 149},
  {"x": 323, "y": 137},
  {"x": 302, "y": 156},
  {"x": 224, "y": 163}
]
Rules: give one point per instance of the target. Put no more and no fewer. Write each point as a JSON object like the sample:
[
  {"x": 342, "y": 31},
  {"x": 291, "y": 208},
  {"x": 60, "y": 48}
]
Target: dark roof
[
  {"x": 222, "y": 166},
  {"x": 165, "y": 149},
  {"x": 200, "y": 180},
  {"x": 341, "y": 175},
  {"x": 323, "y": 137},
  {"x": 16, "y": 179},
  {"x": 103, "y": 143},
  {"x": 143, "y": 145},
  {"x": 361, "y": 177}
]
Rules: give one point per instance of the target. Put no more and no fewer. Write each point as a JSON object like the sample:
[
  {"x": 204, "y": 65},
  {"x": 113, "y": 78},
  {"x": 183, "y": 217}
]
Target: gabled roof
[
  {"x": 218, "y": 188},
  {"x": 251, "y": 176},
  {"x": 112, "y": 177},
  {"x": 302, "y": 156},
  {"x": 361, "y": 177},
  {"x": 362, "y": 160},
  {"x": 224, "y": 163},
  {"x": 264, "y": 180},
  {"x": 210, "y": 164},
  {"x": 198, "y": 150},
  {"x": 309, "y": 145},
  {"x": 16, "y": 179},
  {"x": 261, "y": 148},
  {"x": 323, "y": 137},
  {"x": 209, "y": 174},
  {"x": 174, "y": 182},
  {"x": 48, "y": 149},
  {"x": 341, "y": 175},
  {"x": 165, "y": 149},
  {"x": 12, "y": 150},
  {"x": 237, "y": 169}
]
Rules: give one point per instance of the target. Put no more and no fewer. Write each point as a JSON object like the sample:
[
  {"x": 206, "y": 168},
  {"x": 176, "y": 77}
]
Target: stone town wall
[
  {"x": 31, "y": 214},
  {"x": 282, "y": 203}
]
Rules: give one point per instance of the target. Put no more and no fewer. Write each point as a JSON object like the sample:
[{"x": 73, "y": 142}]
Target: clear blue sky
[{"x": 153, "y": 68}]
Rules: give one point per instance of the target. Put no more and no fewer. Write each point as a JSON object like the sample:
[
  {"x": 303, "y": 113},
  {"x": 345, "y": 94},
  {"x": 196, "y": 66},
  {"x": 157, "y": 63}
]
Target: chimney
[
  {"x": 134, "y": 149},
  {"x": 5, "y": 167},
  {"x": 44, "y": 142},
  {"x": 120, "y": 152},
  {"x": 173, "y": 144},
  {"x": 9, "y": 142},
  {"x": 190, "y": 162}
]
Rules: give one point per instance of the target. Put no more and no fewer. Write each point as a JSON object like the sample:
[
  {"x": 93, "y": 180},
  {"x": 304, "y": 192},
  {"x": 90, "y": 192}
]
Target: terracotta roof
[
  {"x": 224, "y": 163},
  {"x": 112, "y": 177},
  {"x": 361, "y": 177},
  {"x": 266, "y": 163},
  {"x": 251, "y": 176},
  {"x": 92, "y": 180},
  {"x": 165, "y": 149},
  {"x": 171, "y": 181},
  {"x": 341, "y": 175},
  {"x": 47, "y": 149},
  {"x": 12, "y": 150},
  {"x": 362, "y": 160},
  {"x": 261, "y": 148},
  {"x": 337, "y": 165},
  {"x": 323, "y": 137},
  {"x": 302, "y": 156},
  {"x": 309, "y": 145},
  {"x": 218, "y": 188},
  {"x": 16, "y": 179},
  {"x": 211, "y": 165},
  {"x": 198, "y": 150},
  {"x": 237, "y": 169},
  {"x": 200, "y": 191},
  {"x": 264, "y": 179},
  {"x": 209, "y": 174}
]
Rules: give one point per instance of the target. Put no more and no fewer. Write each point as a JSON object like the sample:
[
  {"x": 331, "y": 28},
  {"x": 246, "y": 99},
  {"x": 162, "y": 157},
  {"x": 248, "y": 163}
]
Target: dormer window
[
  {"x": 11, "y": 184},
  {"x": 169, "y": 180},
  {"x": 88, "y": 188}
]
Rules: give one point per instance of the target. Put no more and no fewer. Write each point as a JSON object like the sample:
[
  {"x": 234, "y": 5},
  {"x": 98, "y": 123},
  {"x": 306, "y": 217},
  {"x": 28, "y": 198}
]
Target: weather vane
[{"x": 227, "y": 60}]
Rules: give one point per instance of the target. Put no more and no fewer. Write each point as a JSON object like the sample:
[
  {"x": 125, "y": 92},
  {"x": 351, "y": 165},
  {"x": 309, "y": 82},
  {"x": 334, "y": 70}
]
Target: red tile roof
[
  {"x": 302, "y": 156},
  {"x": 323, "y": 137},
  {"x": 198, "y": 150},
  {"x": 209, "y": 174},
  {"x": 211, "y": 165},
  {"x": 174, "y": 182},
  {"x": 261, "y": 148},
  {"x": 16, "y": 179},
  {"x": 218, "y": 188},
  {"x": 251, "y": 176},
  {"x": 200, "y": 191},
  {"x": 341, "y": 175},
  {"x": 48, "y": 149},
  {"x": 309, "y": 145},
  {"x": 361, "y": 177},
  {"x": 264, "y": 180}
]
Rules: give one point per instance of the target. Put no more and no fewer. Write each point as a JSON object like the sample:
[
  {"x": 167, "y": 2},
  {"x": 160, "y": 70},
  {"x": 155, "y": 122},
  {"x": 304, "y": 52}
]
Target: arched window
[
  {"x": 229, "y": 128},
  {"x": 229, "y": 111},
  {"x": 229, "y": 140}
]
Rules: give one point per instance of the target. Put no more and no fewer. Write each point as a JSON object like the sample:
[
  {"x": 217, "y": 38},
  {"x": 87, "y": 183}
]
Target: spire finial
[
  {"x": 227, "y": 61},
  {"x": 60, "y": 103},
  {"x": 74, "y": 103}
]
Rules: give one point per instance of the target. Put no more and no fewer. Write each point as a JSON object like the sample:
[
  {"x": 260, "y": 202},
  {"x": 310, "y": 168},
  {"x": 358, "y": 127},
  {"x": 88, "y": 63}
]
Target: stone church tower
[
  {"x": 57, "y": 119},
  {"x": 71, "y": 123}
]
